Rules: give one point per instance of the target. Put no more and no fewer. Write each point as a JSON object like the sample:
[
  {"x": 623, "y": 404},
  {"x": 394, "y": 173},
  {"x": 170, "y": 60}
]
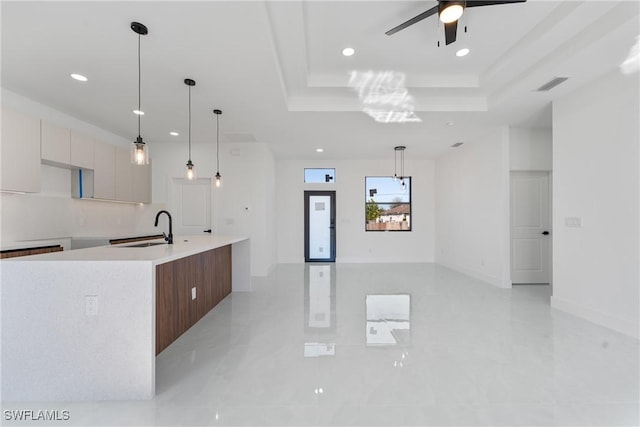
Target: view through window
[
  {"x": 319, "y": 175},
  {"x": 387, "y": 203}
]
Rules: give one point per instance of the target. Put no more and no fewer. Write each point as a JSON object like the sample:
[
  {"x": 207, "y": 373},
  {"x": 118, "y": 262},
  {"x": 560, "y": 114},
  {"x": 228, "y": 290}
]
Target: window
[
  {"x": 317, "y": 175},
  {"x": 387, "y": 204}
]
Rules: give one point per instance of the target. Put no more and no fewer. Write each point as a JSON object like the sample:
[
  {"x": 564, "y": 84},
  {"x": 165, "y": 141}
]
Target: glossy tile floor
[{"x": 393, "y": 345}]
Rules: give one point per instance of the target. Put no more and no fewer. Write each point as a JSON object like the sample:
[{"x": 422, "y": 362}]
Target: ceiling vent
[
  {"x": 238, "y": 137},
  {"x": 552, "y": 83},
  {"x": 457, "y": 144}
]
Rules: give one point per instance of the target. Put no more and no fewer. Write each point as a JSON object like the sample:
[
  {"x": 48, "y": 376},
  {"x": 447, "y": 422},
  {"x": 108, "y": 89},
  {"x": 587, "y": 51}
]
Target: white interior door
[
  {"x": 190, "y": 206},
  {"x": 530, "y": 228}
]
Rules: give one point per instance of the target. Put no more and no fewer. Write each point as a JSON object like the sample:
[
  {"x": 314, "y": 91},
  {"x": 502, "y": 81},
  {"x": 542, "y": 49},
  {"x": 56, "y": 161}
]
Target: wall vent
[
  {"x": 552, "y": 83},
  {"x": 457, "y": 144}
]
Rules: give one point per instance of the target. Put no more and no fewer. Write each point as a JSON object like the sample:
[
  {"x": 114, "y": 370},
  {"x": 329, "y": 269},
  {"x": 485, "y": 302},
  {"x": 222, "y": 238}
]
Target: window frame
[{"x": 367, "y": 203}]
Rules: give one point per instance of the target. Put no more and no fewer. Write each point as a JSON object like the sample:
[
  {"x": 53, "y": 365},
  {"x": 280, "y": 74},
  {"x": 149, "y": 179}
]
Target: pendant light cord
[
  {"x": 218, "y": 143},
  {"x": 139, "y": 87},
  {"x": 189, "y": 123},
  {"x": 395, "y": 163}
]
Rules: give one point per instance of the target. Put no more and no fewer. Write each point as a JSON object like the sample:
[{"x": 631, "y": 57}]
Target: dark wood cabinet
[
  {"x": 176, "y": 310},
  {"x": 13, "y": 253}
]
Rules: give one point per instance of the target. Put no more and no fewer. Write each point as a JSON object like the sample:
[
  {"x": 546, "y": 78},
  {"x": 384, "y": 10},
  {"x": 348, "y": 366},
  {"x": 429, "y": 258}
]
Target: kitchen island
[{"x": 83, "y": 324}]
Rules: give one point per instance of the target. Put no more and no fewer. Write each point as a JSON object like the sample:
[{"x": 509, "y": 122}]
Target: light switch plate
[{"x": 193, "y": 293}]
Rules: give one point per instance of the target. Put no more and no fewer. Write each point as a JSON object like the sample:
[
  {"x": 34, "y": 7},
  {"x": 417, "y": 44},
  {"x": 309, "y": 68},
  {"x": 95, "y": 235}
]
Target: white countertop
[{"x": 182, "y": 246}]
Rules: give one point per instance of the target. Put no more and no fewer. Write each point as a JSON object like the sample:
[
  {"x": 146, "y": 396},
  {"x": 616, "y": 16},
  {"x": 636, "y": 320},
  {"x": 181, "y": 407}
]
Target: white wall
[
  {"x": 353, "y": 244},
  {"x": 52, "y": 213},
  {"x": 472, "y": 215},
  {"x": 530, "y": 149},
  {"x": 243, "y": 205},
  {"x": 596, "y": 164}
]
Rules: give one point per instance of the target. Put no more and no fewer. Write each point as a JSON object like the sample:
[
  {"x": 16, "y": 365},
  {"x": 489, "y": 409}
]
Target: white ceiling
[{"x": 276, "y": 70}]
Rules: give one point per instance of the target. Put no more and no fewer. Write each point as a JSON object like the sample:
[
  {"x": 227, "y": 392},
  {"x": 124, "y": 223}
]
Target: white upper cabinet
[
  {"x": 82, "y": 150},
  {"x": 104, "y": 171},
  {"x": 124, "y": 176},
  {"x": 20, "y": 152},
  {"x": 55, "y": 144}
]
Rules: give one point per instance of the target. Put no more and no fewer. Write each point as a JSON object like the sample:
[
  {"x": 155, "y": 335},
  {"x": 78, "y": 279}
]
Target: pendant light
[
  {"x": 139, "y": 150},
  {"x": 401, "y": 149},
  {"x": 218, "y": 176},
  {"x": 190, "y": 172}
]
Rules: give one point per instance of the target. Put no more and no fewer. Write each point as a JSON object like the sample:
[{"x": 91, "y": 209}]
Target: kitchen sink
[{"x": 143, "y": 245}]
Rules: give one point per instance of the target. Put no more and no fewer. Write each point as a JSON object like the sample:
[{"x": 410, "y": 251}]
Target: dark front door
[{"x": 319, "y": 226}]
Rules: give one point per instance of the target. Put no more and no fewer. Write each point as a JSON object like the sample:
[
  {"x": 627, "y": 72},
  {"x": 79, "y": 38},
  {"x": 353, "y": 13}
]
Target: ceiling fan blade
[
  {"x": 450, "y": 31},
  {"x": 413, "y": 20},
  {"x": 491, "y": 3}
]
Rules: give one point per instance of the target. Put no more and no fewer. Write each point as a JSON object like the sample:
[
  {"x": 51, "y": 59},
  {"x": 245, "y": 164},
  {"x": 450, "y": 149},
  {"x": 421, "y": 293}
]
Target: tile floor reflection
[{"x": 298, "y": 352}]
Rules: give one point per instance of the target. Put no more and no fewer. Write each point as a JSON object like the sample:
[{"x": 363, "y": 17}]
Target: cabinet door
[
  {"x": 208, "y": 260},
  {"x": 19, "y": 149},
  {"x": 142, "y": 183},
  {"x": 55, "y": 144},
  {"x": 124, "y": 176},
  {"x": 223, "y": 271},
  {"x": 183, "y": 282},
  {"x": 197, "y": 307},
  {"x": 104, "y": 180},
  {"x": 82, "y": 150},
  {"x": 166, "y": 307}
]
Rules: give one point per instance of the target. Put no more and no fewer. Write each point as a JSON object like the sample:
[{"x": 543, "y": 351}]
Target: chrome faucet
[{"x": 168, "y": 238}]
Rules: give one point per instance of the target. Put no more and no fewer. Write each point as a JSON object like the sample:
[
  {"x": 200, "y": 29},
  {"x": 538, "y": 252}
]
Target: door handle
[
  {"x": 546, "y": 233},
  {"x": 207, "y": 231}
]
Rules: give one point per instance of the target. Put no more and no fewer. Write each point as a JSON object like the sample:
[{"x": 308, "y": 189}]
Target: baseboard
[
  {"x": 597, "y": 317},
  {"x": 495, "y": 281}
]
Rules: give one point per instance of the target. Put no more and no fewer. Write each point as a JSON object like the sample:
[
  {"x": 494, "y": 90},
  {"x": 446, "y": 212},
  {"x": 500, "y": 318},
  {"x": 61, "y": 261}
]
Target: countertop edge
[{"x": 183, "y": 246}]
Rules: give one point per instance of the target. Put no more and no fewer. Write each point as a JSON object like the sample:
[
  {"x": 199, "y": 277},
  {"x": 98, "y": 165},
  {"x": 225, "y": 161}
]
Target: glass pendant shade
[
  {"x": 190, "y": 171},
  {"x": 218, "y": 180},
  {"x": 139, "y": 152}
]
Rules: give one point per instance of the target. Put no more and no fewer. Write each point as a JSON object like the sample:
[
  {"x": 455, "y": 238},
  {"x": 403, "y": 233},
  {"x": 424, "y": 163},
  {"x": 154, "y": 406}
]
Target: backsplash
[{"x": 53, "y": 213}]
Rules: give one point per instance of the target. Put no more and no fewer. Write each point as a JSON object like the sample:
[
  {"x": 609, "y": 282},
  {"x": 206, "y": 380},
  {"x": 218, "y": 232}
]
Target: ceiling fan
[{"x": 449, "y": 12}]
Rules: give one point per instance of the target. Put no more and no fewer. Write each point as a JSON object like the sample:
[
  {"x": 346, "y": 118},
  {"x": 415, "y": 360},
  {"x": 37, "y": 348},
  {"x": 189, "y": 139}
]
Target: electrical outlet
[
  {"x": 193, "y": 293},
  {"x": 91, "y": 305}
]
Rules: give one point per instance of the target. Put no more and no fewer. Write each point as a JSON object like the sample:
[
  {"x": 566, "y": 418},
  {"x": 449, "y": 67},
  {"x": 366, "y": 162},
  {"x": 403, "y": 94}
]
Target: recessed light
[
  {"x": 348, "y": 51},
  {"x": 174, "y": 133},
  {"x": 138, "y": 112},
  {"x": 451, "y": 123},
  {"x": 319, "y": 150},
  {"x": 78, "y": 77},
  {"x": 462, "y": 52}
]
